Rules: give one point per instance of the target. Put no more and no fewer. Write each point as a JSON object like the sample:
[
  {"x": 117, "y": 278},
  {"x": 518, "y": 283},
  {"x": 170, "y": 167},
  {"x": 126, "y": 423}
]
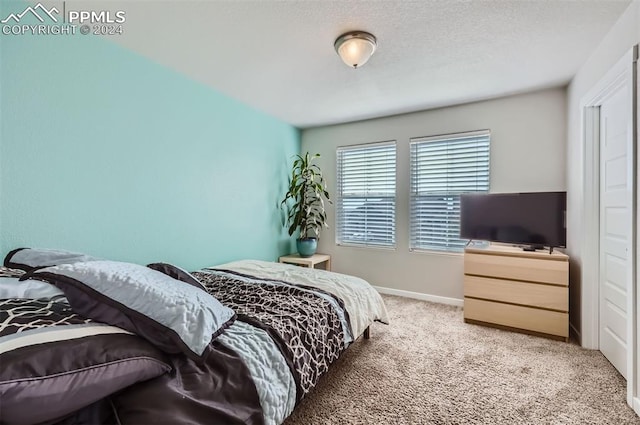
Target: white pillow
[{"x": 11, "y": 287}]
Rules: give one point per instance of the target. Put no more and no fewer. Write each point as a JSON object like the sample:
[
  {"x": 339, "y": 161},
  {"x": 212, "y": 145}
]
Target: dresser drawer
[
  {"x": 517, "y": 268},
  {"x": 532, "y": 319},
  {"x": 516, "y": 292}
]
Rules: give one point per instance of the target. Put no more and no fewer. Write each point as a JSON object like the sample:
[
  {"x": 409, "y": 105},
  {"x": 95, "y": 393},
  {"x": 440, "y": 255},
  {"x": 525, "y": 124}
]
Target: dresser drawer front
[
  {"x": 517, "y": 268},
  {"x": 516, "y": 292},
  {"x": 532, "y": 319}
]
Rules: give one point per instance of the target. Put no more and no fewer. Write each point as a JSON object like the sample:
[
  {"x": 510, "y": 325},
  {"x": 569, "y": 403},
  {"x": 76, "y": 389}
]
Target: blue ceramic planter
[{"x": 307, "y": 247}]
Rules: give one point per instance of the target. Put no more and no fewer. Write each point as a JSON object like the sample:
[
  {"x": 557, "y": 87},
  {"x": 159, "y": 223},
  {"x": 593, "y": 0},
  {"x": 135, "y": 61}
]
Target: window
[
  {"x": 442, "y": 168},
  {"x": 366, "y": 195}
]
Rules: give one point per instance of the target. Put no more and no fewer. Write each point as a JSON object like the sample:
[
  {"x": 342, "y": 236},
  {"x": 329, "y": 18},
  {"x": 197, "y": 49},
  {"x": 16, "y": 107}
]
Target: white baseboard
[
  {"x": 636, "y": 405},
  {"x": 420, "y": 296}
]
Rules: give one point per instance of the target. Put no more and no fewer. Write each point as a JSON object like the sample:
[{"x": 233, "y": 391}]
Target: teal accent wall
[
  {"x": 2, "y": 15},
  {"x": 106, "y": 152}
]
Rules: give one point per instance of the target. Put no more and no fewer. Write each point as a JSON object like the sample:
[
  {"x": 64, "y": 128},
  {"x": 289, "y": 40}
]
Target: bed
[{"x": 85, "y": 340}]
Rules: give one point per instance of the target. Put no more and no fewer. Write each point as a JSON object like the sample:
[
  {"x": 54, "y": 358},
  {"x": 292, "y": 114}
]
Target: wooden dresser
[{"x": 509, "y": 288}]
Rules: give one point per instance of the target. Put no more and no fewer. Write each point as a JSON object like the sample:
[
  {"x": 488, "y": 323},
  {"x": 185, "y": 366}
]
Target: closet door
[{"x": 616, "y": 223}]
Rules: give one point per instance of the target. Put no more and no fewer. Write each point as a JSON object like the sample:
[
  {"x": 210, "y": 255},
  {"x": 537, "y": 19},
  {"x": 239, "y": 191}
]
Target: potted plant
[{"x": 305, "y": 203}]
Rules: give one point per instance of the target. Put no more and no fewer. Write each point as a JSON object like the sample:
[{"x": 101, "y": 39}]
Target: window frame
[
  {"x": 339, "y": 241},
  {"x": 455, "y": 251}
]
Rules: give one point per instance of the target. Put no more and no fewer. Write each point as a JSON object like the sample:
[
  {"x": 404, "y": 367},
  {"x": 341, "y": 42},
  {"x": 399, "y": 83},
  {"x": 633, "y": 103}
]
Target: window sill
[
  {"x": 436, "y": 252},
  {"x": 379, "y": 248}
]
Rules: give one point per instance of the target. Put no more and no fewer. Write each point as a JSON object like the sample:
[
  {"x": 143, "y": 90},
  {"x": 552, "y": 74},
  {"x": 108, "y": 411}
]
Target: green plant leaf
[{"x": 307, "y": 187}]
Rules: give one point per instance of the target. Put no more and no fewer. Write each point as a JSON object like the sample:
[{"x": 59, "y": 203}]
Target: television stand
[{"x": 509, "y": 288}]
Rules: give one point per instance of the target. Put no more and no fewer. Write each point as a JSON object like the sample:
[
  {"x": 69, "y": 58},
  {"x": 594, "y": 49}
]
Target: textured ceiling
[{"x": 278, "y": 56}]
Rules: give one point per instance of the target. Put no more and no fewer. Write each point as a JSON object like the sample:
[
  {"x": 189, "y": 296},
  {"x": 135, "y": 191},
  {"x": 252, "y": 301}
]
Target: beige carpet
[{"x": 429, "y": 367}]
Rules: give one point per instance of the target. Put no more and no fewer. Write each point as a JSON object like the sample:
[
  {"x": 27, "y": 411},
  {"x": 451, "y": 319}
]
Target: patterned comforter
[
  {"x": 292, "y": 324},
  {"x": 306, "y": 322}
]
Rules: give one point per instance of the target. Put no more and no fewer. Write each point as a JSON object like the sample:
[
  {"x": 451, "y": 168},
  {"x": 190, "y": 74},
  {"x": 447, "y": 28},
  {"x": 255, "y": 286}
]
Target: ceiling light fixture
[{"x": 355, "y": 47}]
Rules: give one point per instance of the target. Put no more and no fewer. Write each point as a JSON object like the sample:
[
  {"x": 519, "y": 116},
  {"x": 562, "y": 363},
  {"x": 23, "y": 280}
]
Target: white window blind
[
  {"x": 442, "y": 168},
  {"x": 366, "y": 198}
]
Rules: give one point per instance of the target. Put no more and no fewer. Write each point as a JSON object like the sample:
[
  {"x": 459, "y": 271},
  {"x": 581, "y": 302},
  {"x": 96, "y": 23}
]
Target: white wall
[
  {"x": 528, "y": 134},
  {"x": 620, "y": 39}
]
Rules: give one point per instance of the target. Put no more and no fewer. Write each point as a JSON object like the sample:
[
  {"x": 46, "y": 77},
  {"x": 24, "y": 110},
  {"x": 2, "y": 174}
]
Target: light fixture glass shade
[{"x": 355, "y": 48}]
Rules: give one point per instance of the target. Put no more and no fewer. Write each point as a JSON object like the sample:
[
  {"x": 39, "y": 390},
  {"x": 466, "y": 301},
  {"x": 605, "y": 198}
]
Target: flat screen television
[{"x": 535, "y": 219}]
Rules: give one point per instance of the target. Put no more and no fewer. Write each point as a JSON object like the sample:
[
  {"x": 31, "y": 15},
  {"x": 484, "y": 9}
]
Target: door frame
[{"x": 623, "y": 72}]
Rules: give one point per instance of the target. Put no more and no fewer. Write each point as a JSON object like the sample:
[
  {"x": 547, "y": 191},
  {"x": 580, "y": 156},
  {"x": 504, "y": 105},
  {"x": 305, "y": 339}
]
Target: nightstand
[{"x": 310, "y": 262}]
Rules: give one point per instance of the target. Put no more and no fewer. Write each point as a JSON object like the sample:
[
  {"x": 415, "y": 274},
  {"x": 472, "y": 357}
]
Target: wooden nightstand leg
[
  {"x": 367, "y": 333},
  {"x": 329, "y": 265}
]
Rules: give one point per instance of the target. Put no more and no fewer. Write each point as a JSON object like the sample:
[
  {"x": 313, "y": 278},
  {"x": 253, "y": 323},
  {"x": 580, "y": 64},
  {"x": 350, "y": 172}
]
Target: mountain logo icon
[{"x": 39, "y": 11}]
